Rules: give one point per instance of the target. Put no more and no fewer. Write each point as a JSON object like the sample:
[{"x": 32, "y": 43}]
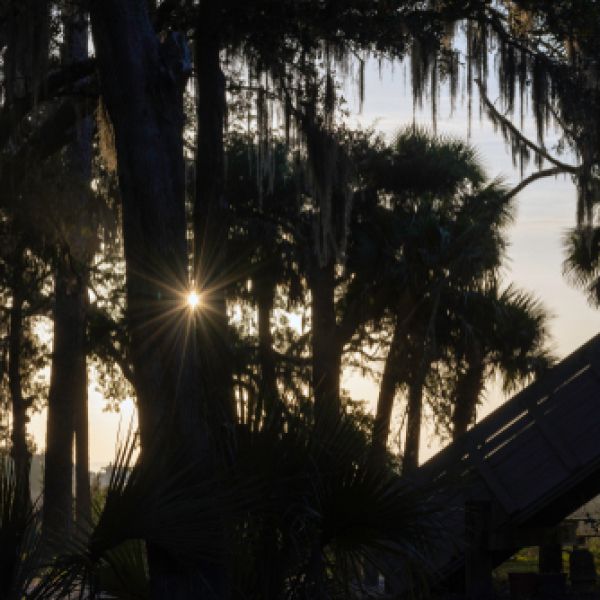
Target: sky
[{"x": 545, "y": 210}]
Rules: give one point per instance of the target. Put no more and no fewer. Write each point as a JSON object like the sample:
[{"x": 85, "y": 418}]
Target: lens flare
[{"x": 193, "y": 300}]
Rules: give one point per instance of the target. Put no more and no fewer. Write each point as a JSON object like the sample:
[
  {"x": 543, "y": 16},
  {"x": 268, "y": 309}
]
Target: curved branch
[
  {"x": 534, "y": 177},
  {"x": 495, "y": 115}
]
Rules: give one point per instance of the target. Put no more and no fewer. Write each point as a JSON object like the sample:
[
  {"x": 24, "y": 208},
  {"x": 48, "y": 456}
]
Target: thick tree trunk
[
  {"x": 211, "y": 214},
  {"x": 142, "y": 85},
  {"x": 326, "y": 349},
  {"x": 19, "y": 449},
  {"x": 387, "y": 391},
  {"x": 268, "y": 395},
  {"x": 142, "y": 82},
  {"x": 80, "y": 239},
  {"x": 64, "y": 385},
  {"x": 468, "y": 389}
]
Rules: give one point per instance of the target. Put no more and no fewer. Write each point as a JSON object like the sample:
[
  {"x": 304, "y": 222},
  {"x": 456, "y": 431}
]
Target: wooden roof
[{"x": 535, "y": 459}]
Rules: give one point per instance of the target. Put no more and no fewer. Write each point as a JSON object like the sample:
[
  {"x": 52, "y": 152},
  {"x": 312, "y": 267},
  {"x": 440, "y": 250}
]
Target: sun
[{"x": 193, "y": 300}]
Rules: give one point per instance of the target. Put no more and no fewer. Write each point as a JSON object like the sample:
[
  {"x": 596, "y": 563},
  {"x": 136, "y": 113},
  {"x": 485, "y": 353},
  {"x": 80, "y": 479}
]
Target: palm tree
[
  {"x": 495, "y": 332},
  {"x": 447, "y": 223}
]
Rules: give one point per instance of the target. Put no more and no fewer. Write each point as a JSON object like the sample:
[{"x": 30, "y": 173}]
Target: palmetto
[{"x": 304, "y": 513}]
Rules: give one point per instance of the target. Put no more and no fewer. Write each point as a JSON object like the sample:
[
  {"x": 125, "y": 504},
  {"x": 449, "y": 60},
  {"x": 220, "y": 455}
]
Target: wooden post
[
  {"x": 550, "y": 554},
  {"x": 551, "y": 579},
  {"x": 478, "y": 558}
]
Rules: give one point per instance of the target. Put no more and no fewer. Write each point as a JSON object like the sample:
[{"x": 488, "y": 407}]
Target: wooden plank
[
  {"x": 553, "y": 437},
  {"x": 575, "y": 428},
  {"x": 545, "y": 478},
  {"x": 560, "y": 374},
  {"x": 512, "y": 536},
  {"x": 563, "y": 489},
  {"x": 588, "y": 448},
  {"x": 507, "y": 434},
  {"x": 487, "y": 474},
  {"x": 577, "y": 412},
  {"x": 526, "y": 440},
  {"x": 478, "y": 557}
]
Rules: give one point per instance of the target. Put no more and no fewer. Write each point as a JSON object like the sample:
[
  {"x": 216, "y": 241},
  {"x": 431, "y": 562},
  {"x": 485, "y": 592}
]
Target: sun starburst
[{"x": 193, "y": 300}]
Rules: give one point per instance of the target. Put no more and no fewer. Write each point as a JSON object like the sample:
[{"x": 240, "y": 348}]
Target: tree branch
[
  {"x": 534, "y": 177},
  {"x": 495, "y": 115},
  {"x": 57, "y": 83}
]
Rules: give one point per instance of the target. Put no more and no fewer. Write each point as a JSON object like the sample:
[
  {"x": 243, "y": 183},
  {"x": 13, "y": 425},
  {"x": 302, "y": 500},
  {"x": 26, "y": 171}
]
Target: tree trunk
[
  {"x": 27, "y": 27},
  {"x": 142, "y": 82},
  {"x": 468, "y": 389},
  {"x": 410, "y": 461},
  {"x": 387, "y": 392},
  {"x": 393, "y": 374},
  {"x": 19, "y": 450},
  {"x": 64, "y": 383},
  {"x": 416, "y": 384},
  {"x": 142, "y": 85},
  {"x": 211, "y": 214},
  {"x": 83, "y": 502},
  {"x": 326, "y": 350},
  {"x": 268, "y": 394},
  {"x": 81, "y": 241}
]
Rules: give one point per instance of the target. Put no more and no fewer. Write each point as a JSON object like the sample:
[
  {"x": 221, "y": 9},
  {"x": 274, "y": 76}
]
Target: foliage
[
  {"x": 304, "y": 513},
  {"x": 19, "y": 536}
]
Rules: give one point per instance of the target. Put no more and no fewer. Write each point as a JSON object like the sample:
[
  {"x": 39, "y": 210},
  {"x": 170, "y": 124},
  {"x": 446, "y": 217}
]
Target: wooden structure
[{"x": 531, "y": 462}]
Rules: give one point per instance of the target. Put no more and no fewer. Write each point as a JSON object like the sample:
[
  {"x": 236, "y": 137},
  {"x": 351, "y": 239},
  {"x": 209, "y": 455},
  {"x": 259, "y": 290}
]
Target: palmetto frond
[
  {"x": 300, "y": 512},
  {"x": 425, "y": 166},
  {"x": 582, "y": 261},
  {"x": 19, "y": 536},
  {"x": 521, "y": 338}
]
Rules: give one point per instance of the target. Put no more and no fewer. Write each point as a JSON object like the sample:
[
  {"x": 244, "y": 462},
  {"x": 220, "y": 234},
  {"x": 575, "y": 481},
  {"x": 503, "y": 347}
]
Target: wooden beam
[{"x": 478, "y": 557}]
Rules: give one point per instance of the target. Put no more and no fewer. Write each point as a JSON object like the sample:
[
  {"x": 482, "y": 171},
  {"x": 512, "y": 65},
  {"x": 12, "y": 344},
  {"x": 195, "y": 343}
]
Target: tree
[
  {"x": 23, "y": 278},
  {"x": 504, "y": 332},
  {"x": 142, "y": 76},
  {"x": 438, "y": 210},
  {"x": 264, "y": 208},
  {"x": 74, "y": 238},
  {"x": 296, "y": 70}
]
